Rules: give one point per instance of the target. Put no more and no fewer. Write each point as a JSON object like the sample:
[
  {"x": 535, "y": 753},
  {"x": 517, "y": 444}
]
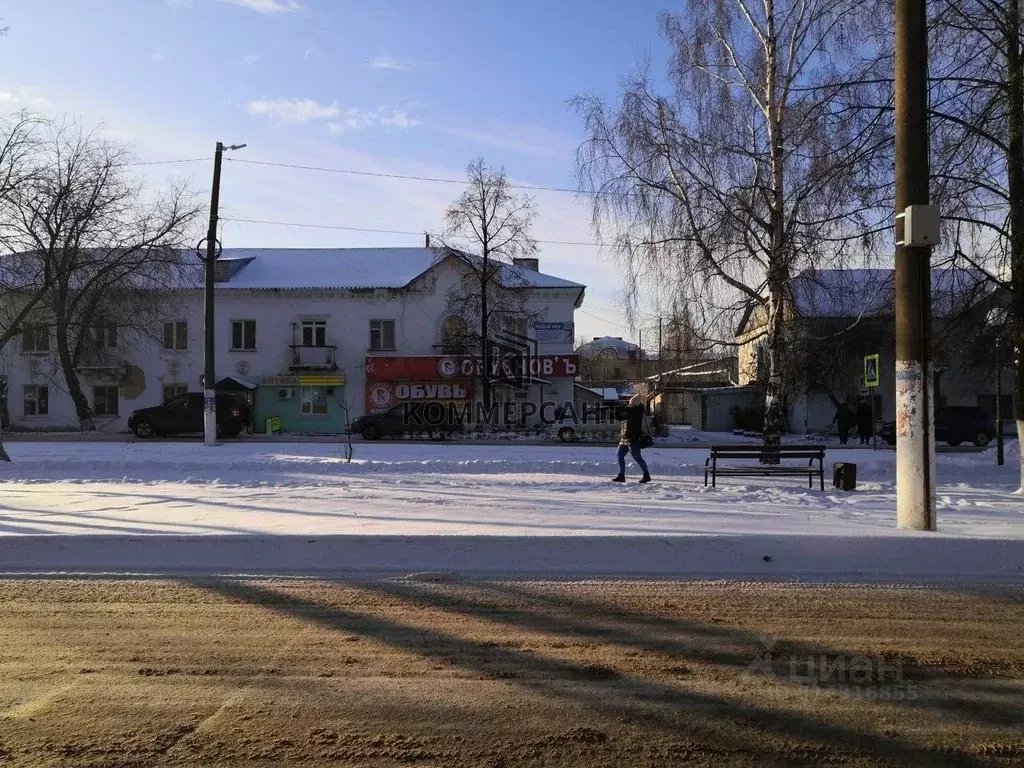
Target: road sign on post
[{"x": 872, "y": 377}]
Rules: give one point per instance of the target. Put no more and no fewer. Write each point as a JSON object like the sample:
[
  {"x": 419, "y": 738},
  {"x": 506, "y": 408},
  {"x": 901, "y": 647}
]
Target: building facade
[
  {"x": 835, "y": 318},
  {"x": 311, "y": 337}
]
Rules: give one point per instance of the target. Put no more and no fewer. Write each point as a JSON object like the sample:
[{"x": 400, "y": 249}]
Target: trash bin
[{"x": 844, "y": 476}]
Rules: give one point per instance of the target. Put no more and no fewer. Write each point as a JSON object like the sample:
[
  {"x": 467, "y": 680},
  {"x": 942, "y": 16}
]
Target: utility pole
[
  {"x": 212, "y": 251},
  {"x": 915, "y": 433}
]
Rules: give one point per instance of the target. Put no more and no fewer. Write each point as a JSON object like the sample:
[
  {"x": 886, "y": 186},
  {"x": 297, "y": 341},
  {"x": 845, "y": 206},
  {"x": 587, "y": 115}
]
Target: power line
[
  {"x": 404, "y": 177},
  {"x": 384, "y": 231},
  {"x": 169, "y": 162}
]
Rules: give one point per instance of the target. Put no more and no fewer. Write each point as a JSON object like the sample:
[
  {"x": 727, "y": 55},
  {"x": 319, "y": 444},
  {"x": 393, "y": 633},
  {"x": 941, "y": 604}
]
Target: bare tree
[
  {"x": 23, "y": 281},
  {"x": 495, "y": 223},
  {"x": 756, "y": 165},
  {"x": 977, "y": 121},
  {"x": 110, "y": 253}
]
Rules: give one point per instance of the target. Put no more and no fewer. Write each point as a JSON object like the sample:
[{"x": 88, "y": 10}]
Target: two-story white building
[{"x": 312, "y": 337}]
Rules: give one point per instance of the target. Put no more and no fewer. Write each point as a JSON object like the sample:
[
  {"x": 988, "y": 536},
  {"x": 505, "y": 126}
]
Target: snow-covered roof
[
  {"x": 623, "y": 349},
  {"x": 871, "y": 292},
  {"x": 341, "y": 268}
]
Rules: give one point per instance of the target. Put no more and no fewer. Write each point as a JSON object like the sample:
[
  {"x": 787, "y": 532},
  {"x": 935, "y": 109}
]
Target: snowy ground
[{"x": 551, "y": 506}]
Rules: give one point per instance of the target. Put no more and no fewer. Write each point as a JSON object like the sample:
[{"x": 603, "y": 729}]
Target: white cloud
[
  {"x": 158, "y": 55},
  {"x": 383, "y": 61},
  {"x": 356, "y": 119},
  {"x": 310, "y": 53},
  {"x": 267, "y": 6},
  {"x": 532, "y": 140},
  {"x": 293, "y": 110},
  {"x": 22, "y": 97},
  {"x": 252, "y": 58}
]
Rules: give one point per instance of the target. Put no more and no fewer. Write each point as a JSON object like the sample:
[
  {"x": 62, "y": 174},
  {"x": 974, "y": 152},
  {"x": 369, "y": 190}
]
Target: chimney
[
  {"x": 426, "y": 236},
  {"x": 527, "y": 263}
]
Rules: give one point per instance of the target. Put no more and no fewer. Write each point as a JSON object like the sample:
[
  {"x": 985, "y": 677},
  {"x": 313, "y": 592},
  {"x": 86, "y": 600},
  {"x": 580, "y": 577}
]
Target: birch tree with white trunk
[{"x": 754, "y": 162}]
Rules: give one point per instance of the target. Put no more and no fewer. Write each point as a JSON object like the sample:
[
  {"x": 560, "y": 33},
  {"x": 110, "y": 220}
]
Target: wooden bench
[{"x": 738, "y": 451}]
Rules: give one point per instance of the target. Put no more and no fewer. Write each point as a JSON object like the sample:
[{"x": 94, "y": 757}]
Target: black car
[
  {"x": 184, "y": 413},
  {"x": 954, "y": 424},
  {"x": 431, "y": 418}
]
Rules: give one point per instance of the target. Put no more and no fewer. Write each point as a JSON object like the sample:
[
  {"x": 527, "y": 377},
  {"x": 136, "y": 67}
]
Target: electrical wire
[
  {"x": 168, "y": 162},
  {"x": 404, "y": 177},
  {"x": 384, "y": 231}
]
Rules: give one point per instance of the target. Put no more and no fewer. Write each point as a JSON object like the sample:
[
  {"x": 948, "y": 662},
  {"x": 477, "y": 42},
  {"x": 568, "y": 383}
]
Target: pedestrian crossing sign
[{"x": 871, "y": 373}]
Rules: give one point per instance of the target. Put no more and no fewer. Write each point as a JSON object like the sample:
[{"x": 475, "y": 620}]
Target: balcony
[{"x": 307, "y": 358}]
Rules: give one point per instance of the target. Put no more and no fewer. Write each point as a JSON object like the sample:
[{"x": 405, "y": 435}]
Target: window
[
  {"x": 173, "y": 390},
  {"x": 314, "y": 333},
  {"x": 314, "y": 401},
  {"x": 243, "y": 334},
  {"x": 382, "y": 335},
  {"x": 35, "y": 338},
  {"x": 104, "y": 401},
  {"x": 516, "y": 325},
  {"x": 105, "y": 335},
  {"x": 37, "y": 401},
  {"x": 176, "y": 335}
]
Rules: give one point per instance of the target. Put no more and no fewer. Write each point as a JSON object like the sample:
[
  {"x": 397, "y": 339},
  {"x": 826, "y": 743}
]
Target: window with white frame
[
  {"x": 173, "y": 390},
  {"x": 176, "y": 335},
  {"x": 382, "y": 335},
  {"x": 243, "y": 335},
  {"x": 105, "y": 400},
  {"x": 37, "y": 400},
  {"x": 35, "y": 338},
  {"x": 104, "y": 334},
  {"x": 313, "y": 401},
  {"x": 314, "y": 333}
]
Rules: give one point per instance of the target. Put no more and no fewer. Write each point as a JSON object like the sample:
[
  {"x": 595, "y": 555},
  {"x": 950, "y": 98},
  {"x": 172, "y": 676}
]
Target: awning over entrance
[{"x": 232, "y": 383}]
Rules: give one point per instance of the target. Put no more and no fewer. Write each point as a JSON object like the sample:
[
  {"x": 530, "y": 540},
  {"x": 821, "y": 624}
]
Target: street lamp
[
  {"x": 211, "y": 254},
  {"x": 996, "y": 318}
]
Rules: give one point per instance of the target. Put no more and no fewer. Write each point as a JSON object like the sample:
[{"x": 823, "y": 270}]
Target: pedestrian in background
[
  {"x": 632, "y": 438},
  {"x": 865, "y": 429},
  {"x": 844, "y": 421}
]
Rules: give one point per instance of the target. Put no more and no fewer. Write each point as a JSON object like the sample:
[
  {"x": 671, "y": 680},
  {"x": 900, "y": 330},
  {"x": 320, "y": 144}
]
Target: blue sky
[{"x": 393, "y": 86}]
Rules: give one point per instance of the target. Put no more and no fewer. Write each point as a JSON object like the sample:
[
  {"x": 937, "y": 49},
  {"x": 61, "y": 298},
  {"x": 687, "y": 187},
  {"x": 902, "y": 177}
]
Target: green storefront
[{"x": 311, "y": 404}]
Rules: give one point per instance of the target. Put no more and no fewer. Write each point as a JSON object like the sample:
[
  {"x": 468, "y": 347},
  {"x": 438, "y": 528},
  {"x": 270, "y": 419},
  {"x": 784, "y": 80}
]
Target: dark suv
[
  {"x": 954, "y": 424},
  {"x": 434, "y": 419},
  {"x": 184, "y": 413}
]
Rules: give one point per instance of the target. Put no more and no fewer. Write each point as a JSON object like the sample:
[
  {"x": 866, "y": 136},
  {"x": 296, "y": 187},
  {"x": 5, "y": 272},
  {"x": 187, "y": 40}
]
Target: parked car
[
  {"x": 954, "y": 424},
  {"x": 183, "y": 413},
  {"x": 408, "y": 419},
  {"x": 571, "y": 428}
]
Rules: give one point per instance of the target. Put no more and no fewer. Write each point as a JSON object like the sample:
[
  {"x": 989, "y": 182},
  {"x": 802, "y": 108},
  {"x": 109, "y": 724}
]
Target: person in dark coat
[
  {"x": 844, "y": 421},
  {"x": 632, "y": 428},
  {"x": 864, "y": 426}
]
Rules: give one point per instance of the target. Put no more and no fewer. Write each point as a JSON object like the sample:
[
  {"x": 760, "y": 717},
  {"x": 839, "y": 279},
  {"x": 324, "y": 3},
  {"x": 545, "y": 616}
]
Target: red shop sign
[
  {"x": 381, "y": 395},
  {"x": 447, "y": 367}
]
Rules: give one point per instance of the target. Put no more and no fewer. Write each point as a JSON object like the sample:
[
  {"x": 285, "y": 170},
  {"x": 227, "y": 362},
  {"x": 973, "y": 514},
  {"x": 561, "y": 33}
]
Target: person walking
[
  {"x": 630, "y": 435},
  {"x": 865, "y": 429},
  {"x": 844, "y": 421}
]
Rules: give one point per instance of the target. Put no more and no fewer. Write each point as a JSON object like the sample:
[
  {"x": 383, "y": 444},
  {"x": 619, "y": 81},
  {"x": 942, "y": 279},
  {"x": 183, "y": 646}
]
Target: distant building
[
  {"x": 676, "y": 394},
  {"x": 834, "y": 318},
  {"x": 610, "y": 361},
  {"x": 313, "y": 337}
]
